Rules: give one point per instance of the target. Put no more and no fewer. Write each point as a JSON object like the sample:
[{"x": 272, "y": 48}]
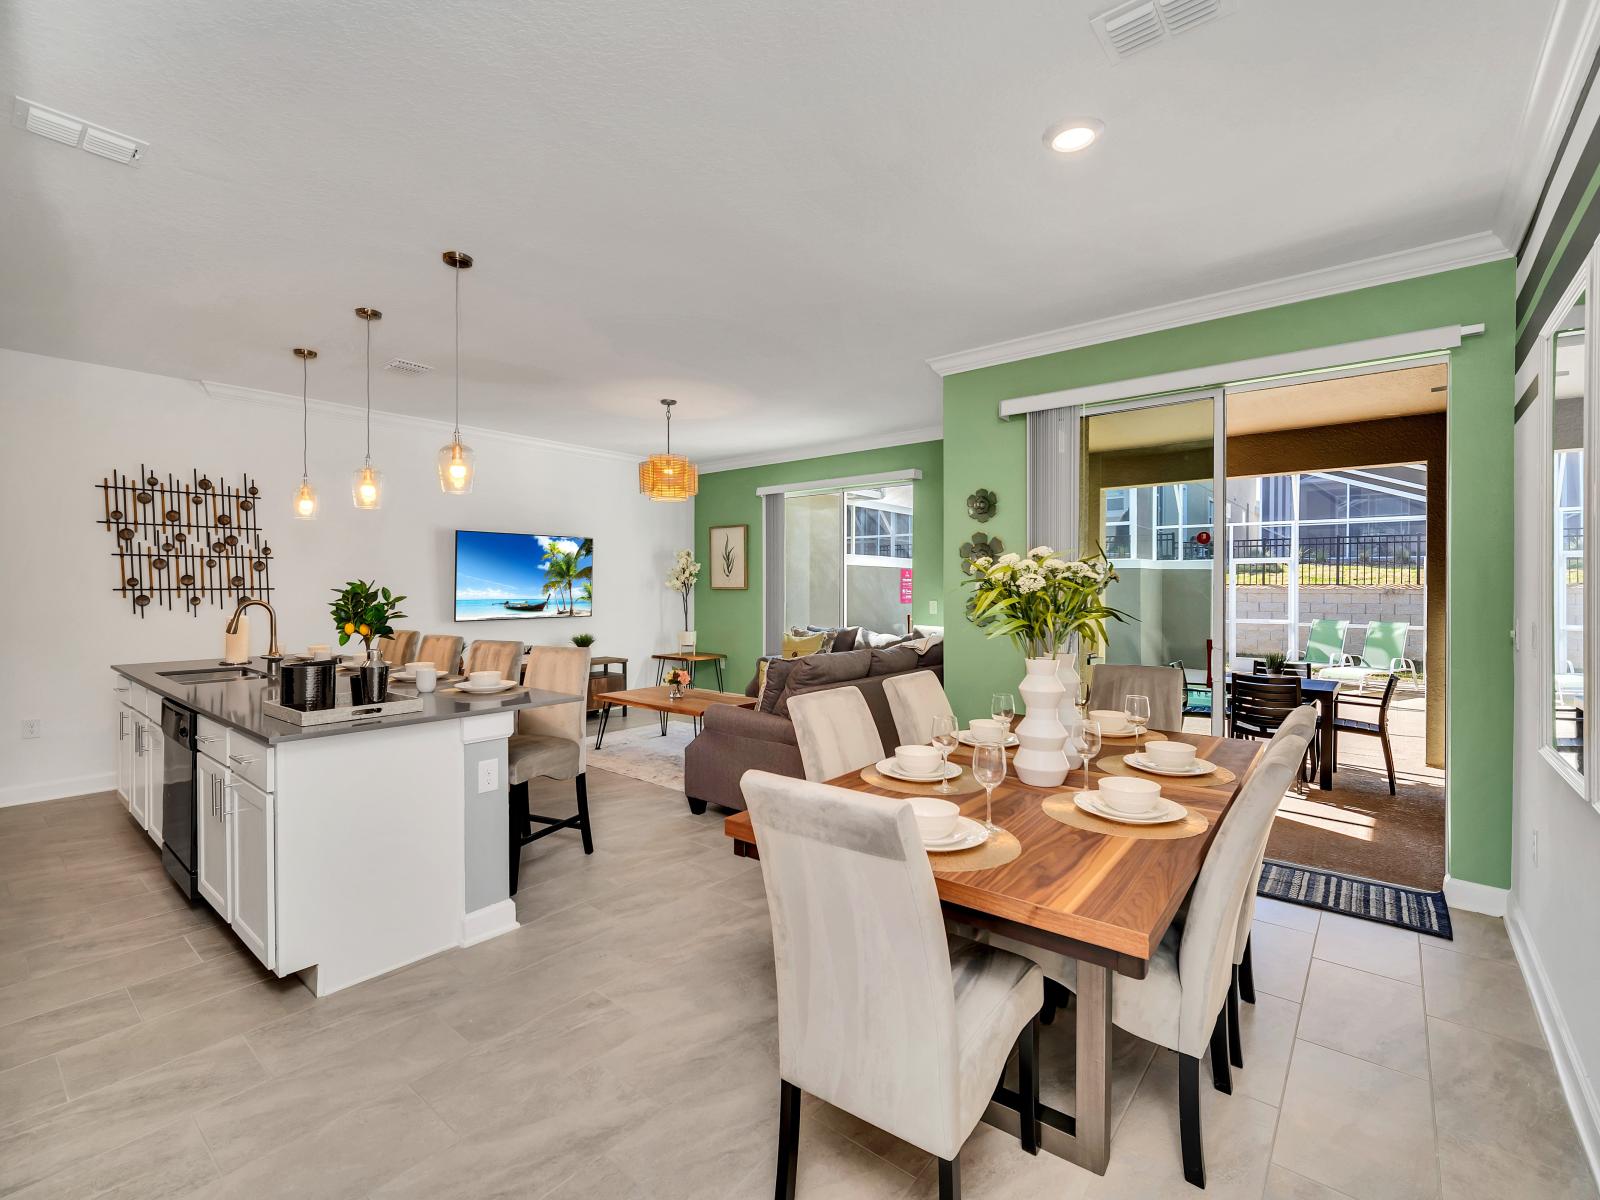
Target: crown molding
[
  {"x": 233, "y": 393},
  {"x": 1468, "y": 251},
  {"x": 1571, "y": 41},
  {"x": 907, "y": 437}
]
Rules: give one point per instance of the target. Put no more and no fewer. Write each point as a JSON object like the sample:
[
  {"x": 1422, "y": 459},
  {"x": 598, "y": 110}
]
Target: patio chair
[
  {"x": 1383, "y": 654},
  {"x": 1378, "y": 729},
  {"x": 1325, "y": 644}
]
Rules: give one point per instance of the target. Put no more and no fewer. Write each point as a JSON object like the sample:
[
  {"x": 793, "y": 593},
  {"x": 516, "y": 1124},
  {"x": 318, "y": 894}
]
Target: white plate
[
  {"x": 888, "y": 767},
  {"x": 966, "y": 739},
  {"x": 1090, "y": 803},
  {"x": 969, "y": 833},
  {"x": 486, "y": 691},
  {"x": 1145, "y": 763}
]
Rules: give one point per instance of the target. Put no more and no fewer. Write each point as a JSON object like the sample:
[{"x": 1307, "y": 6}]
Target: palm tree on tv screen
[{"x": 563, "y": 569}]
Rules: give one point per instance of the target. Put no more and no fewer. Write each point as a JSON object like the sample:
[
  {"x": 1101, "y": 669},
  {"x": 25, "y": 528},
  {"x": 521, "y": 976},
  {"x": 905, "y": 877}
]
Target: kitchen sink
[{"x": 214, "y": 674}]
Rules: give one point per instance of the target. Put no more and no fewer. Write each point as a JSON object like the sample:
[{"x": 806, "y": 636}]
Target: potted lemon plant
[{"x": 366, "y": 611}]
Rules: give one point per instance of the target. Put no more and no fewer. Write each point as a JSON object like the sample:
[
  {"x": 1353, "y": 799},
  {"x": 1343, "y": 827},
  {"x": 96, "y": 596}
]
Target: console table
[
  {"x": 692, "y": 659},
  {"x": 601, "y": 680}
]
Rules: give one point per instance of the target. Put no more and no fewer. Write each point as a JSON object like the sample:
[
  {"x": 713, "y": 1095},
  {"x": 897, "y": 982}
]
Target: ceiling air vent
[
  {"x": 406, "y": 367},
  {"x": 110, "y": 145},
  {"x": 1129, "y": 28},
  {"x": 70, "y": 131}
]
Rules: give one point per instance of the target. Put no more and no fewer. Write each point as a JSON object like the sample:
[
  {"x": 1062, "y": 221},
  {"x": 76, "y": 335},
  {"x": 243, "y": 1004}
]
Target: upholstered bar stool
[
  {"x": 915, "y": 699},
  {"x": 877, "y": 1013},
  {"x": 835, "y": 732},
  {"x": 443, "y": 650},
  {"x": 1112, "y": 683},
  {"x": 397, "y": 648},
  {"x": 504, "y": 657},
  {"x": 549, "y": 744}
]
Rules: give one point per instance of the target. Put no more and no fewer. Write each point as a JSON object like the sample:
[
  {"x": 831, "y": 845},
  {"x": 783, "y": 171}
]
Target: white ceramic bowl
[
  {"x": 916, "y": 760},
  {"x": 1174, "y": 756},
  {"x": 1130, "y": 797},
  {"x": 936, "y": 819},
  {"x": 412, "y": 666},
  {"x": 986, "y": 729},
  {"x": 484, "y": 678},
  {"x": 1109, "y": 720}
]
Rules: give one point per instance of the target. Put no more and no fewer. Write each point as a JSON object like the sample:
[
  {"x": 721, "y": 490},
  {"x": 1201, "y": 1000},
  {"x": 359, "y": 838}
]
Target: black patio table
[{"x": 1324, "y": 692}]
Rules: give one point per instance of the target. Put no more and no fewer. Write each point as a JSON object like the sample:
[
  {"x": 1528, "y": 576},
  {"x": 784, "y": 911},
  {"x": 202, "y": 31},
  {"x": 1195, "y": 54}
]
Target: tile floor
[{"x": 622, "y": 1044}]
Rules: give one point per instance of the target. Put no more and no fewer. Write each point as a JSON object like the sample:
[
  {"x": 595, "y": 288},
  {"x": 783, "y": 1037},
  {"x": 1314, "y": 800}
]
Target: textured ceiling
[{"x": 773, "y": 212}]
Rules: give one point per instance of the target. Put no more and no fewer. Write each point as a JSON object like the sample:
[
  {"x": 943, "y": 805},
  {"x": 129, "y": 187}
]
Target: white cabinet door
[
  {"x": 139, "y": 726},
  {"x": 211, "y": 829},
  {"x": 125, "y": 756},
  {"x": 250, "y": 817}
]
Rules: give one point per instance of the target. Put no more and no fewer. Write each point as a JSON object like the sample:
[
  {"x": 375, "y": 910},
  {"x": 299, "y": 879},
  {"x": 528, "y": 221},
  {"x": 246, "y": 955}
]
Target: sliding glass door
[{"x": 847, "y": 557}]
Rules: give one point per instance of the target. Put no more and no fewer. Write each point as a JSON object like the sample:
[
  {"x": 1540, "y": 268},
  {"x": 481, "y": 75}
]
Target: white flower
[
  {"x": 1053, "y": 566},
  {"x": 1008, "y": 560},
  {"x": 1029, "y": 581},
  {"x": 1040, "y": 552},
  {"x": 983, "y": 563}
]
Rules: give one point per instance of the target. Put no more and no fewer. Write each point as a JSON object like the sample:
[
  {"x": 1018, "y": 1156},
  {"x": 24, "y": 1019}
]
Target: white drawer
[
  {"x": 211, "y": 738},
  {"x": 250, "y": 759},
  {"x": 122, "y": 688}
]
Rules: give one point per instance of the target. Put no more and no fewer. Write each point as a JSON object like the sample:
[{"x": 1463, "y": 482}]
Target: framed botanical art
[{"x": 730, "y": 568}]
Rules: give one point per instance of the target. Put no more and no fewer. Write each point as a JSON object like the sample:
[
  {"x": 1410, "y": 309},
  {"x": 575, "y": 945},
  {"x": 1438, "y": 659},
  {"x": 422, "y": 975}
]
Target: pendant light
[
  {"x": 669, "y": 477},
  {"x": 366, "y": 488},
  {"x": 455, "y": 460},
  {"x": 305, "y": 500}
]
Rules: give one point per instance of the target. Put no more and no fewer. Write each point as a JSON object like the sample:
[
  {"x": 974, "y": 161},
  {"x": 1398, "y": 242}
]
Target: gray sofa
[{"x": 735, "y": 740}]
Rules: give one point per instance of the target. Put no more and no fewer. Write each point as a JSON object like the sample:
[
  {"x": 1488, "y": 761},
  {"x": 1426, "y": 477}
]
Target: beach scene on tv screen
[{"x": 503, "y": 576}]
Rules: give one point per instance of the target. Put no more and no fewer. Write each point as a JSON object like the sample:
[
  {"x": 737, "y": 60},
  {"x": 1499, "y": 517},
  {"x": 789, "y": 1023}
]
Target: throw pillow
[
  {"x": 777, "y": 677},
  {"x": 878, "y": 641},
  {"x": 893, "y": 660},
  {"x": 797, "y": 647},
  {"x": 845, "y": 639}
]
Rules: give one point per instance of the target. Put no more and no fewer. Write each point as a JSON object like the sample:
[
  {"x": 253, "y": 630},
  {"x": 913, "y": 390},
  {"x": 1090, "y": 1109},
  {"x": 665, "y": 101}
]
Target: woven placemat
[
  {"x": 1060, "y": 807},
  {"x": 962, "y": 785},
  {"x": 1000, "y": 849},
  {"x": 1149, "y": 735},
  {"x": 1115, "y": 766}
]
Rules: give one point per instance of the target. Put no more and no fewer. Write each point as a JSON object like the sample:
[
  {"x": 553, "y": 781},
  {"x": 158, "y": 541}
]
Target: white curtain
[
  {"x": 1054, "y": 451},
  {"x": 772, "y": 572}
]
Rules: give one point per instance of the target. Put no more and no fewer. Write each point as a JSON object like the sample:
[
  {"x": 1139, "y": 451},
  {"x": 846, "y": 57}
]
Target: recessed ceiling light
[{"x": 1074, "y": 134}]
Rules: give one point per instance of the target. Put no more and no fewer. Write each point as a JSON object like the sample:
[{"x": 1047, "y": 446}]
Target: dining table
[
  {"x": 1325, "y": 693},
  {"x": 1105, "y": 899}
]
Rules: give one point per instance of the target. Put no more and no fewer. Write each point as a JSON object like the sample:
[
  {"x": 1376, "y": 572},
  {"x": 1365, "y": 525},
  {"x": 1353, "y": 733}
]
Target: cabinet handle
[
  {"x": 123, "y": 690},
  {"x": 226, "y": 788},
  {"x": 240, "y": 760},
  {"x": 203, "y": 738},
  {"x": 122, "y": 725},
  {"x": 138, "y": 738}
]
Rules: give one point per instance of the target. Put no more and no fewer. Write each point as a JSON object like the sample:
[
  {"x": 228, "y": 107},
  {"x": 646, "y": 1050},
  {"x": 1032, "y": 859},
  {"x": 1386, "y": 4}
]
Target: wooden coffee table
[{"x": 692, "y": 703}]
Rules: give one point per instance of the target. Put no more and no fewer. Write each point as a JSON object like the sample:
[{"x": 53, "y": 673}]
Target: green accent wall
[
  {"x": 983, "y": 451},
  {"x": 730, "y": 622}
]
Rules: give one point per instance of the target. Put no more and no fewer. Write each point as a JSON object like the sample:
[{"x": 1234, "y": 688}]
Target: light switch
[
  {"x": 933, "y": 608},
  {"x": 488, "y": 775}
]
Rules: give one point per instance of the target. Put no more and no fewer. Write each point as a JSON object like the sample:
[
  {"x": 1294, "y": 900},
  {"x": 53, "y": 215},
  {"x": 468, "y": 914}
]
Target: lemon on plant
[
  {"x": 365, "y": 630},
  {"x": 349, "y": 626}
]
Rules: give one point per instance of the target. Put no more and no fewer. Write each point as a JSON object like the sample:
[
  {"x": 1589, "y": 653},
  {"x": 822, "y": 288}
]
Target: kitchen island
[{"x": 335, "y": 852}]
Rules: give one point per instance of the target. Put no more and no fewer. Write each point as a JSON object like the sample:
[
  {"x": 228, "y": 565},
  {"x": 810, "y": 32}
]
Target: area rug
[
  {"x": 1424, "y": 912},
  {"x": 640, "y": 752}
]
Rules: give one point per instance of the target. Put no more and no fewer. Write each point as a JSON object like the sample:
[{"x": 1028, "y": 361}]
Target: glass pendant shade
[
  {"x": 366, "y": 487},
  {"x": 455, "y": 463},
  {"x": 668, "y": 477},
  {"x": 305, "y": 501}
]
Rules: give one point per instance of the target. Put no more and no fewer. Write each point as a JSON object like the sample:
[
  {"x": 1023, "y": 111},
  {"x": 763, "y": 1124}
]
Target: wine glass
[
  {"x": 989, "y": 769},
  {"x": 944, "y": 741},
  {"x": 1137, "y": 710},
  {"x": 1089, "y": 743},
  {"x": 1003, "y": 708}
]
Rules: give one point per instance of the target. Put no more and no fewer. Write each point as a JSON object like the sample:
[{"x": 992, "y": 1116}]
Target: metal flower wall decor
[
  {"x": 980, "y": 546},
  {"x": 982, "y": 505}
]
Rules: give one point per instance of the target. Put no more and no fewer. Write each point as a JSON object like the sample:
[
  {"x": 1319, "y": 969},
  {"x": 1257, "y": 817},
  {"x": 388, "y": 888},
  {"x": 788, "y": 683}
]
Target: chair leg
[
  {"x": 1388, "y": 759},
  {"x": 583, "y": 814},
  {"x": 1221, "y": 1073},
  {"x": 788, "y": 1139},
  {"x": 1056, "y": 998},
  {"x": 1194, "y": 1155},
  {"x": 1247, "y": 976},
  {"x": 517, "y": 828},
  {"x": 1028, "y": 1086},
  {"x": 1235, "y": 1046},
  {"x": 950, "y": 1178}
]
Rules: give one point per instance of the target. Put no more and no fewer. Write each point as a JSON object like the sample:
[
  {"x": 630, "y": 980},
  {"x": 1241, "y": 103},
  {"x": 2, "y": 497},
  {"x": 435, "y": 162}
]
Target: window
[
  {"x": 847, "y": 557},
  {"x": 879, "y": 532},
  {"x": 1568, "y": 438}
]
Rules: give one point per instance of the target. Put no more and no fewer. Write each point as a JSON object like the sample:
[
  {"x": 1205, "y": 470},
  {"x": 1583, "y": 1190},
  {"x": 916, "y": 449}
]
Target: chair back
[
  {"x": 398, "y": 647},
  {"x": 443, "y": 650},
  {"x": 1385, "y": 642},
  {"x": 915, "y": 699},
  {"x": 1325, "y": 643},
  {"x": 504, "y": 657},
  {"x": 1112, "y": 683},
  {"x": 1205, "y": 956},
  {"x": 1303, "y": 719},
  {"x": 558, "y": 669},
  {"x": 866, "y": 1002},
  {"x": 1261, "y": 703},
  {"x": 835, "y": 732}
]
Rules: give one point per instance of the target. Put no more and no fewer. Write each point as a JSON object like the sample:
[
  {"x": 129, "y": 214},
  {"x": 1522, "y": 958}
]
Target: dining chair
[
  {"x": 1258, "y": 705},
  {"x": 1112, "y": 683},
  {"x": 443, "y": 650},
  {"x": 915, "y": 699},
  {"x": 549, "y": 744},
  {"x": 835, "y": 732},
  {"x": 1378, "y": 729},
  {"x": 493, "y": 656},
  {"x": 1181, "y": 1002},
  {"x": 398, "y": 647},
  {"x": 879, "y": 1012}
]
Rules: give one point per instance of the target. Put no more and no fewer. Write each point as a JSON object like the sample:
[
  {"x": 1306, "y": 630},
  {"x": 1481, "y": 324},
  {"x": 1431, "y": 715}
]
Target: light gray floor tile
[
  {"x": 1357, "y": 1127},
  {"x": 1484, "y": 993},
  {"x": 1283, "y": 1184},
  {"x": 35, "y": 1037},
  {"x": 104, "y": 943},
  {"x": 832, "y": 1167},
  {"x": 29, "y": 1089},
  {"x": 1369, "y": 946},
  {"x": 1368, "y": 1016},
  {"x": 1292, "y": 916},
  {"x": 34, "y": 996},
  {"x": 198, "y": 981},
  {"x": 1267, "y": 1031},
  {"x": 168, "y": 1163},
  {"x": 1279, "y": 958},
  {"x": 1475, "y": 1171},
  {"x": 1476, "y": 934}
]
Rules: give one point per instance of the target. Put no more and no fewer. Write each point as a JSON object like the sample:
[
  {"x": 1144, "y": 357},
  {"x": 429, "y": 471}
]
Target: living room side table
[
  {"x": 602, "y": 680},
  {"x": 693, "y": 659}
]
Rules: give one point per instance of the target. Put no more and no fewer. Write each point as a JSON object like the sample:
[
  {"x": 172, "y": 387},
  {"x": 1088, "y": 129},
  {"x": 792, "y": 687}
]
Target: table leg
[
  {"x": 1093, "y": 1134},
  {"x": 600, "y": 731},
  {"x": 1328, "y": 750},
  {"x": 718, "y": 664},
  {"x": 661, "y": 670},
  {"x": 663, "y": 722}
]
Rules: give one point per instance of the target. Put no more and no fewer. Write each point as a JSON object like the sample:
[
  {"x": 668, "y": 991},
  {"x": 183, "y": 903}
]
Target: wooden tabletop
[
  {"x": 1098, "y": 897},
  {"x": 690, "y": 656},
  {"x": 692, "y": 703}
]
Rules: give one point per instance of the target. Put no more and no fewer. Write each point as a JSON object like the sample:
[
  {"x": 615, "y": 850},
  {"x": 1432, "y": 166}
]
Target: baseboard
[
  {"x": 1575, "y": 1083},
  {"x": 481, "y": 924},
  {"x": 1475, "y": 897},
  {"x": 56, "y": 789}
]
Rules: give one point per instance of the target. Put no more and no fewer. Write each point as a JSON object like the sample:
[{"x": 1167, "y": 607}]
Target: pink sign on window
[{"x": 905, "y": 585}]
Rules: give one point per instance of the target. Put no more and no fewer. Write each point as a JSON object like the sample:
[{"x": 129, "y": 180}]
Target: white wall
[
  {"x": 1553, "y": 912},
  {"x": 65, "y": 425}
]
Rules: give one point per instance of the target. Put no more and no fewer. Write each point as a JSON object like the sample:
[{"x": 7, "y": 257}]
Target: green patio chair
[
  {"x": 1325, "y": 644},
  {"x": 1383, "y": 653}
]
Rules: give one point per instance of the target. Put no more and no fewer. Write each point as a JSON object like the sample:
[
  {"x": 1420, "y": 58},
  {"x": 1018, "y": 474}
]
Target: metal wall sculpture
[{"x": 185, "y": 544}]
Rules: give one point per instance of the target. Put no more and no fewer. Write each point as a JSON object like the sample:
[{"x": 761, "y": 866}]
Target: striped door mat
[{"x": 1425, "y": 912}]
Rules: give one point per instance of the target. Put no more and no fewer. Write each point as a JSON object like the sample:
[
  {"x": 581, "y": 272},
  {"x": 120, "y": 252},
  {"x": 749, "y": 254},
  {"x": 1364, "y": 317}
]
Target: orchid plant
[
  {"x": 1041, "y": 600},
  {"x": 681, "y": 579}
]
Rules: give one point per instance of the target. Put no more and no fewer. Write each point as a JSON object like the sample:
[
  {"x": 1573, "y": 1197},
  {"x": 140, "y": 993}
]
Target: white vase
[
  {"x": 686, "y": 642},
  {"x": 1071, "y": 683},
  {"x": 1041, "y": 759}
]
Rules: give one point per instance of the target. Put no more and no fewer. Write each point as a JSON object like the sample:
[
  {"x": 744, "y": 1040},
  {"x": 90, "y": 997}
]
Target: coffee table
[{"x": 692, "y": 703}]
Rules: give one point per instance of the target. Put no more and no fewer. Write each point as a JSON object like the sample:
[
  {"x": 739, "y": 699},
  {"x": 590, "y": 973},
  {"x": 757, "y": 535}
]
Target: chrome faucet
[{"x": 274, "y": 654}]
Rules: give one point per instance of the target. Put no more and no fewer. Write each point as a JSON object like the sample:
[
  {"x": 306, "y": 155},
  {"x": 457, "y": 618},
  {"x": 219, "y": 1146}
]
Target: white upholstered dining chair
[
  {"x": 1181, "y": 1003},
  {"x": 549, "y": 744},
  {"x": 915, "y": 699},
  {"x": 835, "y": 732},
  {"x": 878, "y": 1013}
]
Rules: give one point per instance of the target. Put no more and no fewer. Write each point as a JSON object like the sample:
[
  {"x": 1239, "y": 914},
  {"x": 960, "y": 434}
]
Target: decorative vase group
[{"x": 1042, "y": 758}]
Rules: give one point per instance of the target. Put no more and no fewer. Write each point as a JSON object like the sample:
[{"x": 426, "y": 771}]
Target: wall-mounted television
[{"x": 518, "y": 576}]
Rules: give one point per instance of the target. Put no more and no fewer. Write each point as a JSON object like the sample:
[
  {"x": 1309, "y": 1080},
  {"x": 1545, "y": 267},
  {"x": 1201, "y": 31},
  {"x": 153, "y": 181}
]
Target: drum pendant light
[
  {"x": 305, "y": 500},
  {"x": 366, "y": 487},
  {"x": 669, "y": 477},
  {"x": 455, "y": 460}
]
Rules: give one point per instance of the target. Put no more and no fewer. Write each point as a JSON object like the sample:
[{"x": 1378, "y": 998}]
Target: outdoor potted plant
[
  {"x": 681, "y": 579},
  {"x": 366, "y": 611}
]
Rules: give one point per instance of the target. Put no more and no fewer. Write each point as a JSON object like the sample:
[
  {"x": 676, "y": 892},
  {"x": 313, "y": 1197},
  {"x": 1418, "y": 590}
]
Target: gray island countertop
[{"x": 236, "y": 703}]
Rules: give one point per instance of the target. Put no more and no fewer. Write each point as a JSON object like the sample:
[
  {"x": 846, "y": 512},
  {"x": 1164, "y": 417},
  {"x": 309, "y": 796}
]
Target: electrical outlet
[
  {"x": 32, "y": 729},
  {"x": 933, "y": 608},
  {"x": 488, "y": 775}
]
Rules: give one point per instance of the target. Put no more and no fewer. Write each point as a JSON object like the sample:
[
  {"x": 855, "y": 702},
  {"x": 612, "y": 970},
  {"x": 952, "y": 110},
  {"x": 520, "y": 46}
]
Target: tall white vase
[
  {"x": 1041, "y": 758},
  {"x": 1071, "y": 713}
]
